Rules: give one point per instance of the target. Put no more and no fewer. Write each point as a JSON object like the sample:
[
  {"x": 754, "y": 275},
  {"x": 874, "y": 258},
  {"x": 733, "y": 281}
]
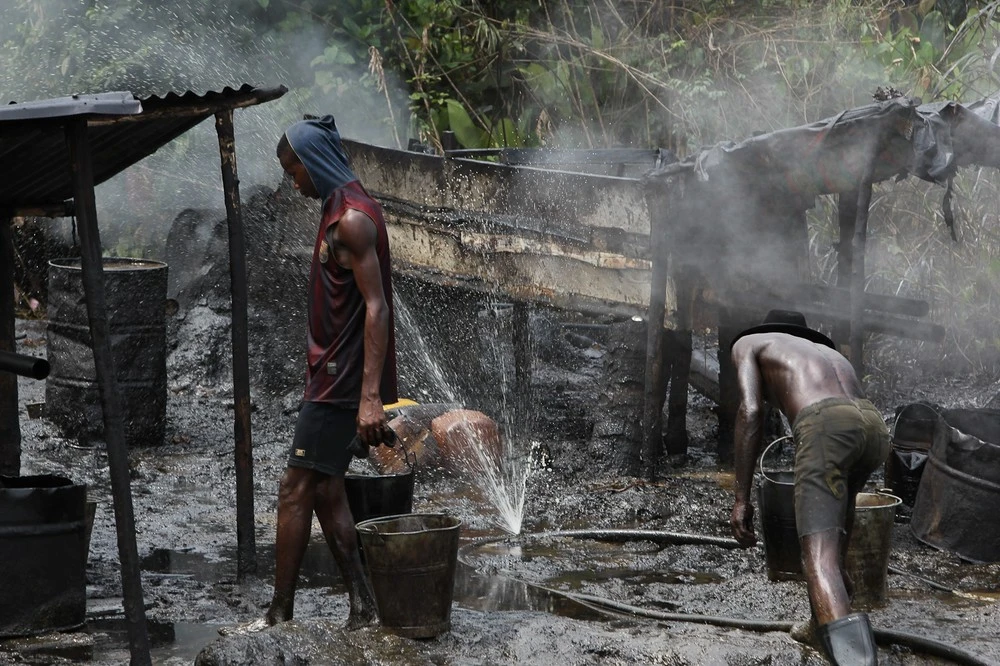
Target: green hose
[{"x": 883, "y": 637}]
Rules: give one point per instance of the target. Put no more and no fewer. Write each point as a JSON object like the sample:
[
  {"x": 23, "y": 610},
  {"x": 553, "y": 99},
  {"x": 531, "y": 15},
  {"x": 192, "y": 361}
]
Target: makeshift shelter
[
  {"x": 729, "y": 223},
  {"x": 52, "y": 154}
]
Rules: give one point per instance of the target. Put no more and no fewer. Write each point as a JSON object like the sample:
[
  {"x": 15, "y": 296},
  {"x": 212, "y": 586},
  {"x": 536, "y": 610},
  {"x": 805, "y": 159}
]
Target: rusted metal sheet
[
  {"x": 571, "y": 240},
  {"x": 124, "y": 130}
]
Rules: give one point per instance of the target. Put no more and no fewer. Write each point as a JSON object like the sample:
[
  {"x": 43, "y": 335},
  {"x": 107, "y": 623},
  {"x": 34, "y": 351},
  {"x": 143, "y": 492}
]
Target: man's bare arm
[
  {"x": 748, "y": 435},
  {"x": 356, "y": 232}
]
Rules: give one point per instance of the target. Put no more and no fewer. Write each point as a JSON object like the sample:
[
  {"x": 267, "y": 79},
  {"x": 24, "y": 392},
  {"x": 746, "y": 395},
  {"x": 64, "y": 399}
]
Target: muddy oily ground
[{"x": 511, "y": 604}]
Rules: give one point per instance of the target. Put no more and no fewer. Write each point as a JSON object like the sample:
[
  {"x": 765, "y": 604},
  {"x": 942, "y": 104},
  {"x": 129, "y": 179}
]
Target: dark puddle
[{"x": 473, "y": 590}]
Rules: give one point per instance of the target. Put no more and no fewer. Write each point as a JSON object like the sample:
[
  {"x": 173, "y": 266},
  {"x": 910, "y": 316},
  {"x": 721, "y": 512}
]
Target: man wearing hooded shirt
[
  {"x": 840, "y": 440},
  {"x": 351, "y": 369}
]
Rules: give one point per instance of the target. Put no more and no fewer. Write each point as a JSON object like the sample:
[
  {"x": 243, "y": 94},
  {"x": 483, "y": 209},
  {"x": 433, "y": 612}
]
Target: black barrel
[
  {"x": 43, "y": 554},
  {"x": 136, "y": 293},
  {"x": 959, "y": 495}
]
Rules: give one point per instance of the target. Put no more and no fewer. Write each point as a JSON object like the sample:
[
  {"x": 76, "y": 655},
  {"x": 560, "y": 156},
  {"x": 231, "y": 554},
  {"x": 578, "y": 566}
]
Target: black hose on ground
[{"x": 884, "y": 637}]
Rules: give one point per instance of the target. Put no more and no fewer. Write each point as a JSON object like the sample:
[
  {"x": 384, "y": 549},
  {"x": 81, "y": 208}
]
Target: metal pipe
[
  {"x": 107, "y": 381},
  {"x": 25, "y": 366},
  {"x": 246, "y": 549}
]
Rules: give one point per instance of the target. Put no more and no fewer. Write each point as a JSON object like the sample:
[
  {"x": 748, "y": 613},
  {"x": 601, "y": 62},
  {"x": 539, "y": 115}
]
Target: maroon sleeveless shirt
[{"x": 336, "y": 355}]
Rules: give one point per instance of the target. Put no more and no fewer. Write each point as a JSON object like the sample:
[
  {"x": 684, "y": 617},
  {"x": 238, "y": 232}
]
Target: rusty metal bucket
[
  {"x": 411, "y": 561},
  {"x": 868, "y": 552}
]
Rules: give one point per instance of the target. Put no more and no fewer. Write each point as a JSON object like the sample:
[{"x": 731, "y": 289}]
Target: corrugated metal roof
[{"x": 35, "y": 167}]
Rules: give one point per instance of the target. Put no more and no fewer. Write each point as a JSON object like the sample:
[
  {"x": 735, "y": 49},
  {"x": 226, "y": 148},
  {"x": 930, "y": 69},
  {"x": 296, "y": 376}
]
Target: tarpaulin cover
[
  {"x": 903, "y": 137},
  {"x": 959, "y": 495}
]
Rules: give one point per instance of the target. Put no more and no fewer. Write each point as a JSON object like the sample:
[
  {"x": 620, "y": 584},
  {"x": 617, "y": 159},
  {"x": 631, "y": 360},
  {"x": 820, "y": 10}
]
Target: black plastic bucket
[
  {"x": 376, "y": 496},
  {"x": 959, "y": 495},
  {"x": 411, "y": 561},
  {"x": 135, "y": 294},
  {"x": 912, "y": 435},
  {"x": 776, "y": 498},
  {"x": 42, "y": 548}
]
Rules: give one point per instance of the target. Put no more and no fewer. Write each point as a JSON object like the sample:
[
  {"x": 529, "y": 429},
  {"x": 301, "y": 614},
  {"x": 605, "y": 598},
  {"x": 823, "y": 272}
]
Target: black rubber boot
[{"x": 849, "y": 641}]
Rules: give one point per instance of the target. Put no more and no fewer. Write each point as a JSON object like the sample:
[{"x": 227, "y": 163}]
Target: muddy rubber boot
[{"x": 849, "y": 641}]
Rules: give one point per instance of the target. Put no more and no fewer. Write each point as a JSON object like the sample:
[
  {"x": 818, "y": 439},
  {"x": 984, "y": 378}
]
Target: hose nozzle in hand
[{"x": 359, "y": 449}]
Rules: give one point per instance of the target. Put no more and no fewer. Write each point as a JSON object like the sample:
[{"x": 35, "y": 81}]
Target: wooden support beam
[
  {"x": 847, "y": 213},
  {"x": 107, "y": 382},
  {"x": 10, "y": 425},
  {"x": 679, "y": 349},
  {"x": 839, "y": 299},
  {"x": 858, "y": 243},
  {"x": 246, "y": 548},
  {"x": 657, "y": 201},
  {"x": 523, "y": 356}
]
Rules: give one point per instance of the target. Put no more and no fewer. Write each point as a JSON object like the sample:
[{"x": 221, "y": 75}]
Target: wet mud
[{"x": 518, "y": 599}]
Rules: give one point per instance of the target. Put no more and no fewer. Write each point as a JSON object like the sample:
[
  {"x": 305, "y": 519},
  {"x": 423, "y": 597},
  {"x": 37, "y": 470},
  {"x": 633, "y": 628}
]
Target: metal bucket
[
  {"x": 959, "y": 495},
  {"x": 135, "y": 292},
  {"x": 43, "y": 553},
  {"x": 411, "y": 561},
  {"x": 376, "y": 496},
  {"x": 868, "y": 551},
  {"x": 776, "y": 499}
]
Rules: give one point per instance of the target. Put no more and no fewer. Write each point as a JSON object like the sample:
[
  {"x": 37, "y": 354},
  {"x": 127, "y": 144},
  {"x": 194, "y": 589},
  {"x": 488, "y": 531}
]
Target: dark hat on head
[{"x": 790, "y": 322}]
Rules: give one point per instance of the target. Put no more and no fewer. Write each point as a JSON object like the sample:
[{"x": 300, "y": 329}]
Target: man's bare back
[{"x": 795, "y": 372}]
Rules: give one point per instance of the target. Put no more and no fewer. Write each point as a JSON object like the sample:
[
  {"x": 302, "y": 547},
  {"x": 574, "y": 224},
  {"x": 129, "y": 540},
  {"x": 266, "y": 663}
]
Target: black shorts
[{"x": 322, "y": 434}]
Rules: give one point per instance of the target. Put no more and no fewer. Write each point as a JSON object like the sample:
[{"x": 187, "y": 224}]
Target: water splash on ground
[{"x": 499, "y": 470}]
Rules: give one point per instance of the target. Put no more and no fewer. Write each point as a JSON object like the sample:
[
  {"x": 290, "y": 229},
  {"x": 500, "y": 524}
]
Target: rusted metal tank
[
  {"x": 136, "y": 293},
  {"x": 959, "y": 494}
]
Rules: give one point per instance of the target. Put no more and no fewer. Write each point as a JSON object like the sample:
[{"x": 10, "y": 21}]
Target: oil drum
[{"x": 135, "y": 293}]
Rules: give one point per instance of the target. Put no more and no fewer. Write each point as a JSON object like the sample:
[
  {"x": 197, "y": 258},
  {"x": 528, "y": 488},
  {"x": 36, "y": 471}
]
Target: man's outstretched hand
[{"x": 741, "y": 521}]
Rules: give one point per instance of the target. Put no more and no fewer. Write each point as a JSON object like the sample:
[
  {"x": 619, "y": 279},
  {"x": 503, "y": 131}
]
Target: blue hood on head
[{"x": 317, "y": 145}]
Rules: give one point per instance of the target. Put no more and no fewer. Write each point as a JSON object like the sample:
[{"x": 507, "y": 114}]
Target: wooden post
[
  {"x": 10, "y": 425},
  {"x": 657, "y": 198},
  {"x": 732, "y": 321},
  {"x": 107, "y": 382},
  {"x": 858, "y": 242},
  {"x": 246, "y": 549},
  {"x": 522, "y": 343},
  {"x": 680, "y": 372},
  {"x": 847, "y": 214}
]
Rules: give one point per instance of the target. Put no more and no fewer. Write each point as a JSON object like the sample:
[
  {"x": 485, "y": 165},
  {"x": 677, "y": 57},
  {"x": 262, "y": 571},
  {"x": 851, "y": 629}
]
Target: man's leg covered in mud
[
  {"x": 341, "y": 536},
  {"x": 296, "y": 500}
]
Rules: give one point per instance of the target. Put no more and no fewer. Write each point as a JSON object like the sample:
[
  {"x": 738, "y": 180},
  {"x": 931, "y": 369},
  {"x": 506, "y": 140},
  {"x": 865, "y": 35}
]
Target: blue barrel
[{"x": 42, "y": 547}]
